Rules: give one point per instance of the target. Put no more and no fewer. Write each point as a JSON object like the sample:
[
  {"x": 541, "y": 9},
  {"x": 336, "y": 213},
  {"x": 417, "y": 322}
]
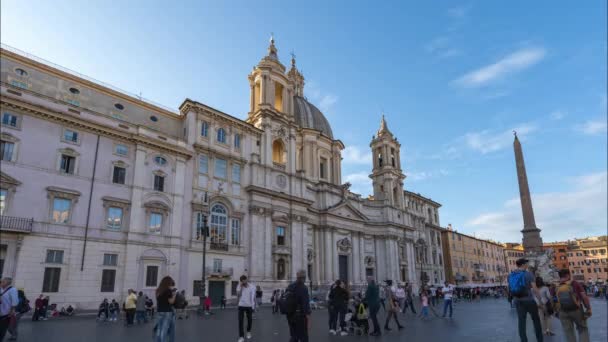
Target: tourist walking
[
  {"x": 392, "y": 306},
  {"x": 409, "y": 299},
  {"x": 298, "y": 314},
  {"x": 574, "y": 307},
  {"x": 9, "y": 299},
  {"x": 382, "y": 298},
  {"x": 545, "y": 306},
  {"x": 433, "y": 295},
  {"x": 258, "y": 296},
  {"x": 372, "y": 297},
  {"x": 130, "y": 306},
  {"x": 246, "y": 294},
  {"x": 140, "y": 308},
  {"x": 164, "y": 330},
  {"x": 448, "y": 293},
  {"x": 523, "y": 288},
  {"x": 22, "y": 308},
  {"x": 37, "y": 308},
  {"x": 400, "y": 295},
  {"x": 338, "y": 303},
  {"x": 424, "y": 300}
]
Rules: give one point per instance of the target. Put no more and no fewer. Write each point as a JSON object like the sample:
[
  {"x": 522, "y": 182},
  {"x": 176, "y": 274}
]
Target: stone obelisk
[{"x": 531, "y": 234}]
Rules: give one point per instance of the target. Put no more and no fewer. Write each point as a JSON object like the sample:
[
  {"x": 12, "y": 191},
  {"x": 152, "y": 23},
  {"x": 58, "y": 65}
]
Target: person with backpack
[
  {"x": 338, "y": 303},
  {"x": 295, "y": 304},
  {"x": 523, "y": 288},
  {"x": 9, "y": 299},
  {"x": 246, "y": 294},
  {"x": 545, "y": 306},
  {"x": 22, "y": 308},
  {"x": 573, "y": 307}
]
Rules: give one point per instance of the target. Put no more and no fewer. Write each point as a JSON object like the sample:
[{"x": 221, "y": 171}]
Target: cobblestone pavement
[{"x": 488, "y": 320}]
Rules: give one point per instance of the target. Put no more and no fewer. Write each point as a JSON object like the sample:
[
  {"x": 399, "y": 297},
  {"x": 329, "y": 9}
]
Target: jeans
[
  {"x": 373, "y": 314},
  {"x": 337, "y": 313},
  {"x": 164, "y": 331},
  {"x": 525, "y": 307},
  {"x": 410, "y": 303},
  {"x": 402, "y": 304},
  {"x": 242, "y": 311},
  {"x": 140, "y": 316},
  {"x": 447, "y": 303},
  {"x": 4, "y": 321},
  {"x": 113, "y": 315},
  {"x": 425, "y": 311},
  {"x": 298, "y": 328},
  {"x": 571, "y": 318}
]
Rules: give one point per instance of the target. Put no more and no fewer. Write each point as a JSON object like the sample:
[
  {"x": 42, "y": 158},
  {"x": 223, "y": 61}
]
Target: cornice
[
  {"x": 199, "y": 108},
  {"x": 204, "y": 149},
  {"x": 96, "y": 128},
  {"x": 299, "y": 200}
]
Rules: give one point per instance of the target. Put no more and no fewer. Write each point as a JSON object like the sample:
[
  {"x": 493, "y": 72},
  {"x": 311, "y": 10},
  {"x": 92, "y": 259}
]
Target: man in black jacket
[{"x": 299, "y": 321}]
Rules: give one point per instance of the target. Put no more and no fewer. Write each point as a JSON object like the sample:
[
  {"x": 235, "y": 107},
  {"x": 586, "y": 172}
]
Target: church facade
[{"x": 102, "y": 191}]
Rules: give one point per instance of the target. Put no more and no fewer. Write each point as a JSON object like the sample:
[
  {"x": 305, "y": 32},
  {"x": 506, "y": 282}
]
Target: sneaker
[
  {"x": 248, "y": 335},
  {"x": 241, "y": 339},
  {"x": 332, "y": 332},
  {"x": 343, "y": 333}
]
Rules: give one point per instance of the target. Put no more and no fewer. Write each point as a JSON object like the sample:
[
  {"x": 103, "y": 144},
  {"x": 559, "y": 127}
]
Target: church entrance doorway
[{"x": 216, "y": 291}]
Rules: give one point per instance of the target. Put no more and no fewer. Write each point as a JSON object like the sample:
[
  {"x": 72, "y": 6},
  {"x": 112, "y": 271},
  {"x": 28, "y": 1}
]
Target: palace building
[{"x": 102, "y": 191}]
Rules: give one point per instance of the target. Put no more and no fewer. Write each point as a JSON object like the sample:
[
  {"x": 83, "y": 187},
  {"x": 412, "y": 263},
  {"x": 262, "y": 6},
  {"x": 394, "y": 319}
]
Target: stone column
[
  {"x": 140, "y": 176},
  {"x": 291, "y": 165},
  {"x": 252, "y": 97},
  {"x": 268, "y": 242},
  {"x": 356, "y": 262},
  {"x": 329, "y": 255},
  {"x": 264, "y": 90}
]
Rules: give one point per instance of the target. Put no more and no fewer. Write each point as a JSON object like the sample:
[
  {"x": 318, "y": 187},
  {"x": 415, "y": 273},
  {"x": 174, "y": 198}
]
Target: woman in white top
[{"x": 545, "y": 305}]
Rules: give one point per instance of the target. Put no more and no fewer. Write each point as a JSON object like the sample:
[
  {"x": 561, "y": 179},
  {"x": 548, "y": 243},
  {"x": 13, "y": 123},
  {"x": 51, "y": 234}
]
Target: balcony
[
  {"x": 218, "y": 245},
  {"x": 16, "y": 224},
  {"x": 219, "y": 272}
]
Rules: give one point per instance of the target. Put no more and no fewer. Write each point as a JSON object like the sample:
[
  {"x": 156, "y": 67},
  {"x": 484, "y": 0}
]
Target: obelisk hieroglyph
[{"x": 531, "y": 234}]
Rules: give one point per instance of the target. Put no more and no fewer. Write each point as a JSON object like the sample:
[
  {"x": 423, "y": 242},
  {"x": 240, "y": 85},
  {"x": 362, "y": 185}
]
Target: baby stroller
[{"x": 358, "y": 323}]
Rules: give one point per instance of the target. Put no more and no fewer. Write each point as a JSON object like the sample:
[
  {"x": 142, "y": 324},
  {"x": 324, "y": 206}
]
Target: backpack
[
  {"x": 517, "y": 284},
  {"x": 567, "y": 300},
  {"x": 180, "y": 301},
  {"x": 288, "y": 303}
]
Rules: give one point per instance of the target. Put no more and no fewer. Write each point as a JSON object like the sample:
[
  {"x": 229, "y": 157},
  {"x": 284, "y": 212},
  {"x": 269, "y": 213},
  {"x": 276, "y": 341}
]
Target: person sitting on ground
[
  {"x": 104, "y": 309},
  {"x": 114, "y": 310}
]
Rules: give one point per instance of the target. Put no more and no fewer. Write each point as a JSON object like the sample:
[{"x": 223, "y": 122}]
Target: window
[
  {"x": 74, "y": 91},
  {"x": 281, "y": 236},
  {"x": 119, "y": 106},
  {"x": 68, "y": 163},
  {"x": 3, "y": 200},
  {"x": 278, "y": 152},
  {"x": 217, "y": 265},
  {"x": 21, "y": 72},
  {"x": 153, "y": 118},
  {"x": 70, "y": 136},
  {"x": 281, "y": 269},
  {"x": 237, "y": 141},
  {"x": 393, "y": 157},
  {"x": 54, "y": 256},
  {"x": 114, "y": 218},
  {"x": 203, "y": 164},
  {"x": 6, "y": 150},
  {"x": 234, "y": 286},
  {"x": 107, "y": 280},
  {"x": 160, "y": 160},
  {"x": 61, "y": 210},
  {"x": 9, "y": 119},
  {"x": 221, "y": 135},
  {"x": 159, "y": 183},
  {"x": 236, "y": 173},
  {"x": 110, "y": 259},
  {"x": 151, "y": 276},
  {"x": 155, "y": 223},
  {"x": 322, "y": 168},
  {"x": 204, "y": 129},
  {"x": 201, "y": 220},
  {"x": 118, "y": 175},
  {"x": 219, "y": 221},
  {"x": 379, "y": 157},
  {"x": 51, "y": 279},
  {"x": 220, "y": 168},
  {"x": 235, "y": 232},
  {"x": 121, "y": 149}
]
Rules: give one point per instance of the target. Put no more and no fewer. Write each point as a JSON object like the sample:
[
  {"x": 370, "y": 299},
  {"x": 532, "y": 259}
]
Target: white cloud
[
  {"x": 327, "y": 101},
  {"x": 354, "y": 155},
  {"x": 458, "y": 12},
  {"x": 558, "y": 115},
  {"x": 491, "y": 141},
  {"x": 560, "y": 215},
  {"x": 424, "y": 175},
  {"x": 593, "y": 127},
  {"x": 360, "y": 183},
  {"x": 514, "y": 62}
]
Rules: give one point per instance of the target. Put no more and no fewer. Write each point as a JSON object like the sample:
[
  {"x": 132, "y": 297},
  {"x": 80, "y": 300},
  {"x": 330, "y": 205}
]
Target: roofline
[
  {"x": 63, "y": 72},
  {"x": 438, "y": 205},
  {"x": 189, "y": 101},
  {"x": 500, "y": 244}
]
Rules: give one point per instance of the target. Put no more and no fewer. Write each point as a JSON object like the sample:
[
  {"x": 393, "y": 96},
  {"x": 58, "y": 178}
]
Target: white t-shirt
[
  {"x": 400, "y": 293},
  {"x": 447, "y": 291},
  {"x": 433, "y": 291},
  {"x": 247, "y": 295}
]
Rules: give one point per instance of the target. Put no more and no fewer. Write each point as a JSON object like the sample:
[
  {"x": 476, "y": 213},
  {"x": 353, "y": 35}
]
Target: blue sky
[{"x": 453, "y": 78}]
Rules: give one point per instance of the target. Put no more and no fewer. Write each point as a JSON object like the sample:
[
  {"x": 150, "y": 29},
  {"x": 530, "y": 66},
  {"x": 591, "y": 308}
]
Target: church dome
[{"x": 308, "y": 116}]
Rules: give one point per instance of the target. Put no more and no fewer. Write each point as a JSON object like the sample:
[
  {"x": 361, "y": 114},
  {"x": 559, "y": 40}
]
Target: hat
[{"x": 521, "y": 261}]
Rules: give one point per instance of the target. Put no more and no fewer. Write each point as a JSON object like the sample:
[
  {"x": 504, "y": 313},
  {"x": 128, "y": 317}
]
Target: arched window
[
  {"x": 204, "y": 129},
  {"x": 237, "y": 141},
  {"x": 379, "y": 157},
  {"x": 393, "y": 157},
  {"x": 278, "y": 152},
  {"x": 281, "y": 269},
  {"x": 221, "y": 135},
  {"x": 219, "y": 219}
]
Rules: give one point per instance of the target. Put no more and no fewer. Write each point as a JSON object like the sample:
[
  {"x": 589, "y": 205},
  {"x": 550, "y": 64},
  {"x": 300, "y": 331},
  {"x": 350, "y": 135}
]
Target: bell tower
[{"x": 387, "y": 177}]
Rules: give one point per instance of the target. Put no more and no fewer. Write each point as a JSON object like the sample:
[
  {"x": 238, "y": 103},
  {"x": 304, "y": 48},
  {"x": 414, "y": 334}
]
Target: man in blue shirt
[
  {"x": 299, "y": 321},
  {"x": 525, "y": 302},
  {"x": 9, "y": 300}
]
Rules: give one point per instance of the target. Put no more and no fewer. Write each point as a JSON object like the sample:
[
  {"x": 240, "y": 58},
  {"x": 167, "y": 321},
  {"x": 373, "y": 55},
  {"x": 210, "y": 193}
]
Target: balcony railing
[
  {"x": 218, "y": 245},
  {"x": 16, "y": 224},
  {"x": 219, "y": 272}
]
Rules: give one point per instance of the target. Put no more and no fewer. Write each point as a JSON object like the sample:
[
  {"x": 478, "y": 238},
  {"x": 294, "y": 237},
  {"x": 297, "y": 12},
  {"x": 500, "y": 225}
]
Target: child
[
  {"x": 207, "y": 305},
  {"x": 223, "y": 302},
  {"x": 424, "y": 297}
]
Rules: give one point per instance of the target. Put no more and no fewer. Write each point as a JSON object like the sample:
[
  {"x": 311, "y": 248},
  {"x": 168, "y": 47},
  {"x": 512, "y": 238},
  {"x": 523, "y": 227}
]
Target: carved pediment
[{"x": 347, "y": 210}]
